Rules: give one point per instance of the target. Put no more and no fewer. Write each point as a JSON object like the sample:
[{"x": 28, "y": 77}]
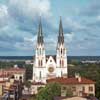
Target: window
[
  {"x": 83, "y": 88},
  {"x": 90, "y": 88},
  {"x": 61, "y": 51},
  {"x": 20, "y": 77},
  {"x": 63, "y": 88},
  {"x": 62, "y": 63},
  {"x": 50, "y": 60},
  {"x": 41, "y": 63},
  {"x": 73, "y": 88}
]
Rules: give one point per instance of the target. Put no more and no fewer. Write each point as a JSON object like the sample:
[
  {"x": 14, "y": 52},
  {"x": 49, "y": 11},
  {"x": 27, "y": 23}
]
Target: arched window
[
  {"x": 41, "y": 63},
  {"x": 61, "y": 50},
  {"x": 62, "y": 63},
  {"x": 20, "y": 77}
]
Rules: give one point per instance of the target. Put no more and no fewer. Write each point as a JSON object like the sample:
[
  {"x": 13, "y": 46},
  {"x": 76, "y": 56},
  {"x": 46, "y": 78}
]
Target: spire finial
[
  {"x": 61, "y": 36},
  {"x": 40, "y": 27},
  {"x": 60, "y": 27},
  {"x": 40, "y": 36}
]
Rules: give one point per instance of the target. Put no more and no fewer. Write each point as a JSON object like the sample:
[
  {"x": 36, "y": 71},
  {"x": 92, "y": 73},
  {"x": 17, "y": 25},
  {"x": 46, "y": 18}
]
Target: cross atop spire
[
  {"x": 40, "y": 34},
  {"x": 61, "y": 35}
]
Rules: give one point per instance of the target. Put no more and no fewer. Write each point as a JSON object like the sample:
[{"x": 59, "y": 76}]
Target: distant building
[
  {"x": 50, "y": 67},
  {"x": 90, "y": 61}
]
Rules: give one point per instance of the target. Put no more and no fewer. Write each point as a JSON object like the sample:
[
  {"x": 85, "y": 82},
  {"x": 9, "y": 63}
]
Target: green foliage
[
  {"x": 49, "y": 91},
  {"x": 39, "y": 88},
  {"x": 98, "y": 89},
  {"x": 9, "y": 64}
]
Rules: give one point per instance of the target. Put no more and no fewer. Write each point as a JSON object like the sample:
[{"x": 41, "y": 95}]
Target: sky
[{"x": 19, "y": 21}]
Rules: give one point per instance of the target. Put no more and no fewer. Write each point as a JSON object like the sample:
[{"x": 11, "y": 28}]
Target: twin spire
[
  {"x": 40, "y": 33},
  {"x": 61, "y": 34}
]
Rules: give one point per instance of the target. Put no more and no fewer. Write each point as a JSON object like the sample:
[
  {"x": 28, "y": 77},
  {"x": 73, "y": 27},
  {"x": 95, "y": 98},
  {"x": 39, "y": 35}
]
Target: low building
[
  {"x": 16, "y": 72},
  {"x": 77, "y": 86}
]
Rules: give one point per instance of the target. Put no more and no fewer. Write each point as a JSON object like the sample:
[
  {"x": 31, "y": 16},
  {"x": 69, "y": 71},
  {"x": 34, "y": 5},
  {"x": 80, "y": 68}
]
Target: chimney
[{"x": 78, "y": 77}]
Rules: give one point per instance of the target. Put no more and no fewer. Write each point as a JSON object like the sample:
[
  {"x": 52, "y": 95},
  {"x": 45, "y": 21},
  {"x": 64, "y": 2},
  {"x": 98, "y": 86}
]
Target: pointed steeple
[
  {"x": 60, "y": 28},
  {"x": 40, "y": 34},
  {"x": 61, "y": 35}
]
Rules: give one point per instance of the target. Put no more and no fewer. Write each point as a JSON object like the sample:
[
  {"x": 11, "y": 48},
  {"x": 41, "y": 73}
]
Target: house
[{"x": 76, "y": 86}]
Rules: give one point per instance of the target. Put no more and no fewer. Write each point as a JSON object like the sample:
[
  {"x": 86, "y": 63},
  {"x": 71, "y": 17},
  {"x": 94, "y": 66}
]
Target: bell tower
[
  {"x": 40, "y": 59},
  {"x": 61, "y": 55},
  {"x": 40, "y": 50}
]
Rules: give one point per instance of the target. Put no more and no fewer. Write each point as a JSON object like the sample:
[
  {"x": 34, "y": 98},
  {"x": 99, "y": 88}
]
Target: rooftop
[{"x": 73, "y": 80}]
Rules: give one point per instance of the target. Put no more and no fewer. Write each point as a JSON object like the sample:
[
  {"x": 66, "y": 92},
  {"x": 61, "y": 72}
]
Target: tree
[
  {"x": 28, "y": 84},
  {"x": 49, "y": 91}
]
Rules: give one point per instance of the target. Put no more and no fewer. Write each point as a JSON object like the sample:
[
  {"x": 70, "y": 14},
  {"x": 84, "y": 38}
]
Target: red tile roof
[
  {"x": 2, "y": 82},
  {"x": 15, "y": 69},
  {"x": 74, "y": 80}
]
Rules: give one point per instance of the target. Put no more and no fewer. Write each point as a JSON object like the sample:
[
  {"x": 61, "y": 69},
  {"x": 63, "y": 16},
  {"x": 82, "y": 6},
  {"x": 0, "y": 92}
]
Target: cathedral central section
[{"x": 46, "y": 67}]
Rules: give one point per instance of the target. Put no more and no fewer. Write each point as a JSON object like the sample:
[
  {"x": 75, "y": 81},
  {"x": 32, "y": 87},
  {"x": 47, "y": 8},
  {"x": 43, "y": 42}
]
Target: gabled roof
[
  {"x": 69, "y": 81},
  {"x": 48, "y": 56},
  {"x": 51, "y": 60}
]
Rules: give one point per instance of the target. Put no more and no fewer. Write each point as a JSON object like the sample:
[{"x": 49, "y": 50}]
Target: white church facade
[{"x": 47, "y": 67}]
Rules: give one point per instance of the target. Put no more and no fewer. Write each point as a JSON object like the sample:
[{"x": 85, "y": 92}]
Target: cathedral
[{"x": 47, "y": 67}]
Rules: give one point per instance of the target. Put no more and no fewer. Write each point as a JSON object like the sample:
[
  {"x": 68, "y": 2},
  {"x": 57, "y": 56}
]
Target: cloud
[
  {"x": 29, "y": 9},
  {"x": 93, "y": 9},
  {"x": 3, "y": 16},
  {"x": 19, "y": 26}
]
